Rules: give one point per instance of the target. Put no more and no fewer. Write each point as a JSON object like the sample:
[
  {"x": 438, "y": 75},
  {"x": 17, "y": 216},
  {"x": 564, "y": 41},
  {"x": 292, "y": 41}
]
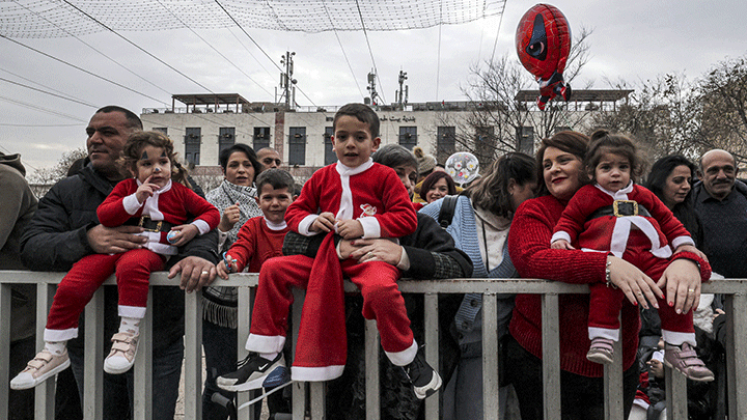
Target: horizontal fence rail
[{"x": 735, "y": 291}]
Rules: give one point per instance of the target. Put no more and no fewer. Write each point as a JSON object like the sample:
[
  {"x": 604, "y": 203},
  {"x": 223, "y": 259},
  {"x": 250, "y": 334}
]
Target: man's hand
[
  {"x": 325, "y": 222},
  {"x": 184, "y": 234},
  {"x": 146, "y": 190},
  {"x": 231, "y": 215},
  {"x": 104, "y": 240},
  {"x": 196, "y": 273},
  {"x": 350, "y": 229},
  {"x": 377, "y": 250}
]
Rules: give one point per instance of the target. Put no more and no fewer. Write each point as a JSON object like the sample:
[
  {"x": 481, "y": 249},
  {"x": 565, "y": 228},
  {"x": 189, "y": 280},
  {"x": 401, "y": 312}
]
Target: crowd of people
[{"x": 581, "y": 211}]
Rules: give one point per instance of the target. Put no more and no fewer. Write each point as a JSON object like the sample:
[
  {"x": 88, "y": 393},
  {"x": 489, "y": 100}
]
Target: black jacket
[{"x": 55, "y": 239}]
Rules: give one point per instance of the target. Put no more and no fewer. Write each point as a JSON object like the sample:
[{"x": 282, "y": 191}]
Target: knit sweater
[{"x": 529, "y": 246}]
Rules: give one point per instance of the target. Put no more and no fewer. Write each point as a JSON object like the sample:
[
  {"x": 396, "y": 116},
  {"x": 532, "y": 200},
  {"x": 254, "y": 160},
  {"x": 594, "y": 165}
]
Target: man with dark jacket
[{"x": 65, "y": 229}]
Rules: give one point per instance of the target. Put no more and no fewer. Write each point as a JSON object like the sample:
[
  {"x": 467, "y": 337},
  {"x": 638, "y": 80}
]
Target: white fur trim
[
  {"x": 371, "y": 227},
  {"x": 608, "y": 333},
  {"x": 316, "y": 374},
  {"x": 346, "y": 211},
  {"x": 60, "y": 335},
  {"x": 202, "y": 226},
  {"x": 131, "y": 311},
  {"x": 305, "y": 225},
  {"x": 404, "y": 357},
  {"x": 682, "y": 240},
  {"x": 275, "y": 226},
  {"x": 130, "y": 204},
  {"x": 677, "y": 338},
  {"x": 163, "y": 249},
  {"x": 620, "y": 233},
  {"x": 265, "y": 343},
  {"x": 560, "y": 235}
]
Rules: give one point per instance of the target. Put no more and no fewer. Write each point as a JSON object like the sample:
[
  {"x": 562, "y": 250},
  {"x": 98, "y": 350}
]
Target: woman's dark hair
[
  {"x": 393, "y": 155},
  {"x": 490, "y": 192},
  {"x": 432, "y": 179},
  {"x": 225, "y": 154},
  {"x": 657, "y": 180},
  {"x": 603, "y": 142},
  {"x": 571, "y": 142},
  {"x": 138, "y": 140}
]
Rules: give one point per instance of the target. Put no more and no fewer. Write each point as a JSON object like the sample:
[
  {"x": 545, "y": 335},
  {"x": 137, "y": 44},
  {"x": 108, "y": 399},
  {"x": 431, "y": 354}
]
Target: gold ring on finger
[
  {"x": 691, "y": 290},
  {"x": 205, "y": 273}
]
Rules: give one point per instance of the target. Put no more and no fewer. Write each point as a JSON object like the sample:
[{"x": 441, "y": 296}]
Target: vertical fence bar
[
  {"x": 93, "y": 359},
  {"x": 431, "y": 309},
  {"x": 44, "y": 393},
  {"x": 736, "y": 351},
  {"x": 550, "y": 357},
  {"x": 613, "y": 381},
  {"x": 676, "y": 394},
  {"x": 299, "y": 388},
  {"x": 245, "y": 321},
  {"x": 143, "y": 388},
  {"x": 5, "y": 323},
  {"x": 318, "y": 400},
  {"x": 490, "y": 399},
  {"x": 373, "y": 407},
  {"x": 193, "y": 355}
]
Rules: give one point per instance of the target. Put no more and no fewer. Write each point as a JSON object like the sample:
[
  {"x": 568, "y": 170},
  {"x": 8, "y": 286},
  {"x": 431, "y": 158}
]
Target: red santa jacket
[
  {"x": 610, "y": 233},
  {"x": 256, "y": 244},
  {"x": 371, "y": 193},
  {"x": 173, "y": 203}
]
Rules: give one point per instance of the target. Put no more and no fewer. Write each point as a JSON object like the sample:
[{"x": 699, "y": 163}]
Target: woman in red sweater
[{"x": 559, "y": 162}]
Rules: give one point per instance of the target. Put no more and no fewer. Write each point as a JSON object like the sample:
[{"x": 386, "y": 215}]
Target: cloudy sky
[{"x": 631, "y": 41}]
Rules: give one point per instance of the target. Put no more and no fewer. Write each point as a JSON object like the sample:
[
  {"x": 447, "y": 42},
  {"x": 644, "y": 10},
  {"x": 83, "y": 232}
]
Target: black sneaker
[
  {"x": 252, "y": 372},
  {"x": 425, "y": 380}
]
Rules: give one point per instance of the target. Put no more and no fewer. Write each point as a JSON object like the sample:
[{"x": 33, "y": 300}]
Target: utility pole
[
  {"x": 401, "y": 95},
  {"x": 287, "y": 82}
]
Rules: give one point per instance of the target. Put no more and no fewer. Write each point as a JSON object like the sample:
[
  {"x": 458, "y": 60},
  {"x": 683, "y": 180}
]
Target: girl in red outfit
[
  {"x": 616, "y": 216},
  {"x": 150, "y": 200},
  {"x": 582, "y": 386}
]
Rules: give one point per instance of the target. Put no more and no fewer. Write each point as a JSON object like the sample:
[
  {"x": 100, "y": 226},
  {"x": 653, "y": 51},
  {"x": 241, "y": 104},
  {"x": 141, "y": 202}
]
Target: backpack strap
[{"x": 447, "y": 210}]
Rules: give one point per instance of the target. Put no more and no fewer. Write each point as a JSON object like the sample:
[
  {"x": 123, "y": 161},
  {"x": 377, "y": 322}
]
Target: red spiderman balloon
[{"x": 543, "y": 41}]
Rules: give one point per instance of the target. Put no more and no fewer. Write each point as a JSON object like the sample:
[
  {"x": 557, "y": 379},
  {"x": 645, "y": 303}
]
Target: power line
[
  {"x": 343, "y": 52},
  {"x": 48, "y": 93},
  {"x": 39, "y": 84},
  {"x": 81, "y": 69},
  {"x": 41, "y": 109},
  {"x": 498, "y": 32},
  {"x": 438, "y": 59},
  {"x": 370, "y": 51},
  {"x": 39, "y": 125},
  {"x": 138, "y": 47}
]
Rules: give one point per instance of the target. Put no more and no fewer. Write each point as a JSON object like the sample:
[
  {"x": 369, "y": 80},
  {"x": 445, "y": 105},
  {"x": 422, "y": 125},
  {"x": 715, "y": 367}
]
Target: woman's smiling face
[{"x": 561, "y": 172}]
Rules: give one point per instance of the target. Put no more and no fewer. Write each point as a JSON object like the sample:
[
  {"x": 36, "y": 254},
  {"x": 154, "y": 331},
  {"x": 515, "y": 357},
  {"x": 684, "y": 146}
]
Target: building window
[
  {"x": 297, "y": 146},
  {"x": 226, "y": 138},
  {"x": 408, "y": 137},
  {"x": 445, "y": 143},
  {"x": 484, "y": 144},
  {"x": 162, "y": 130},
  {"x": 329, "y": 152},
  {"x": 261, "y": 138},
  {"x": 525, "y": 136},
  {"x": 192, "y": 140}
]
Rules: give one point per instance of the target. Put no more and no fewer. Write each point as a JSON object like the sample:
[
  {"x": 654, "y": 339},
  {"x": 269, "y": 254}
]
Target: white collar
[
  {"x": 275, "y": 226},
  {"x": 620, "y": 194},
  {"x": 347, "y": 171},
  {"x": 159, "y": 191}
]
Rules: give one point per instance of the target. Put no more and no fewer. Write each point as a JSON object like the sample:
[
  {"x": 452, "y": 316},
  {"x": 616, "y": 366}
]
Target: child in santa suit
[
  {"x": 354, "y": 198},
  {"x": 616, "y": 216},
  {"x": 151, "y": 200}
]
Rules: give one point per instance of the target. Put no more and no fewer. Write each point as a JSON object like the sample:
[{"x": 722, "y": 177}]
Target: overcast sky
[{"x": 631, "y": 41}]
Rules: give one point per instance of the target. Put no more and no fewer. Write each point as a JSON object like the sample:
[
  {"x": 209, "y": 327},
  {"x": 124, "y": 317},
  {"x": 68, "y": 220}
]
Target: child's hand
[
  {"x": 184, "y": 234},
  {"x": 230, "y": 217},
  {"x": 227, "y": 266},
  {"x": 146, "y": 190},
  {"x": 561, "y": 244},
  {"x": 690, "y": 248},
  {"x": 350, "y": 229},
  {"x": 657, "y": 368},
  {"x": 325, "y": 222}
]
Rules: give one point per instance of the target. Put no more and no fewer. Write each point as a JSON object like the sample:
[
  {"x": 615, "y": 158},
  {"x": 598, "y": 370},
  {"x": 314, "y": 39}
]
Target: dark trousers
[{"x": 581, "y": 398}]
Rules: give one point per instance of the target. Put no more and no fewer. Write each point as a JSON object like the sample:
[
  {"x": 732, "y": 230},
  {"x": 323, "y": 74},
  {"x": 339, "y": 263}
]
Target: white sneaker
[
  {"x": 43, "y": 366},
  {"x": 122, "y": 356}
]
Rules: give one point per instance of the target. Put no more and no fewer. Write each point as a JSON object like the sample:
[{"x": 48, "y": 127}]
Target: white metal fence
[{"x": 736, "y": 351}]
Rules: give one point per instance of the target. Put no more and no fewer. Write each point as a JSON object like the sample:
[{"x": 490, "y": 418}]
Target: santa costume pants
[
  {"x": 76, "y": 289},
  {"x": 321, "y": 349},
  {"x": 606, "y": 302}
]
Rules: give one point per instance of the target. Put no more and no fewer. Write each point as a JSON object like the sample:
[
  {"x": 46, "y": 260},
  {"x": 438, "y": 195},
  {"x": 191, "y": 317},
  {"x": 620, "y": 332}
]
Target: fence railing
[{"x": 735, "y": 292}]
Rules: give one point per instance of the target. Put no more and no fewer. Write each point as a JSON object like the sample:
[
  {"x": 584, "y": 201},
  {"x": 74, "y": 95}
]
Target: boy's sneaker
[
  {"x": 38, "y": 370},
  {"x": 122, "y": 356},
  {"x": 601, "y": 351},
  {"x": 684, "y": 359},
  {"x": 425, "y": 380},
  {"x": 252, "y": 372}
]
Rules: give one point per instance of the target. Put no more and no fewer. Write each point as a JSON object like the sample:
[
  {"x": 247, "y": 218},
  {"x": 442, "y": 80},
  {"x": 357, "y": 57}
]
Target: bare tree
[
  {"x": 498, "y": 121},
  {"x": 50, "y": 175}
]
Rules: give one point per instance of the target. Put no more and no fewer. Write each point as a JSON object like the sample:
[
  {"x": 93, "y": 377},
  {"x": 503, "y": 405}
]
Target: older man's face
[
  {"x": 107, "y": 134},
  {"x": 719, "y": 173},
  {"x": 269, "y": 158}
]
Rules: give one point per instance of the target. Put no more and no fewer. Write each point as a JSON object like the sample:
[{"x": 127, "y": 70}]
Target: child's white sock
[
  {"x": 129, "y": 325},
  {"x": 268, "y": 356},
  {"x": 55, "y": 347}
]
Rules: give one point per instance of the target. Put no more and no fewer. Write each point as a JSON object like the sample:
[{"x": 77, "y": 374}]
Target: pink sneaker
[
  {"x": 122, "y": 356},
  {"x": 685, "y": 360},
  {"x": 601, "y": 351},
  {"x": 42, "y": 367}
]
